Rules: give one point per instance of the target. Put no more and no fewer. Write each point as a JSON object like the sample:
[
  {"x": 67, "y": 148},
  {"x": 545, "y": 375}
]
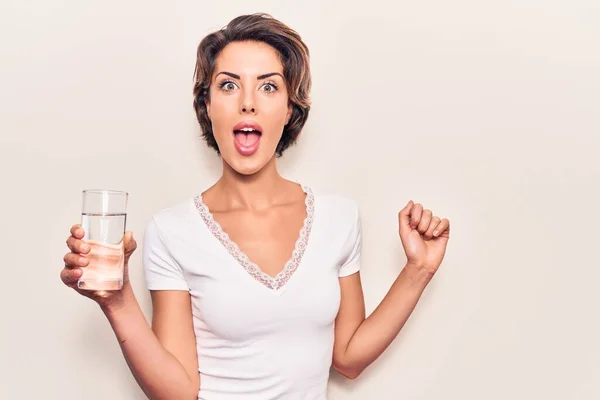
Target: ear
[
  {"x": 207, "y": 105},
  {"x": 289, "y": 114}
]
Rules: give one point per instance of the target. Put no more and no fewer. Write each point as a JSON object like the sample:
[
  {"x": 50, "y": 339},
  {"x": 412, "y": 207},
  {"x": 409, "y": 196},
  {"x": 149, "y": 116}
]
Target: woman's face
[{"x": 248, "y": 105}]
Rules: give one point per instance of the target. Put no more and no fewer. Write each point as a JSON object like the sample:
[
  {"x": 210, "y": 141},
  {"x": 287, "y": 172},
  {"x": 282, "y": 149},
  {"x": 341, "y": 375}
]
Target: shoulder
[
  {"x": 178, "y": 228},
  {"x": 338, "y": 208},
  {"x": 335, "y": 200},
  {"x": 174, "y": 212},
  {"x": 339, "y": 220},
  {"x": 173, "y": 217}
]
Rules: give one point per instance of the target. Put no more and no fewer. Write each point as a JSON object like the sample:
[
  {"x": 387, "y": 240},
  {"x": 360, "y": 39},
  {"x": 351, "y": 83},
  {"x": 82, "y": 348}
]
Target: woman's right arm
[{"x": 163, "y": 357}]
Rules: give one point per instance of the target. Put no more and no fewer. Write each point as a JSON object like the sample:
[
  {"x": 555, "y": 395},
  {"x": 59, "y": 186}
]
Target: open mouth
[{"x": 247, "y": 137}]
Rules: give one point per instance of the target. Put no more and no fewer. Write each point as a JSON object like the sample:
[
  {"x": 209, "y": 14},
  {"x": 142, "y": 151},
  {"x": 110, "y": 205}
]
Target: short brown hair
[{"x": 294, "y": 57}]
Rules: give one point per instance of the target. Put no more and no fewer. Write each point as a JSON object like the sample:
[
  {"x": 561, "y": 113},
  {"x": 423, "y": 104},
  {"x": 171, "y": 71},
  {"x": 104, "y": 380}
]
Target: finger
[
  {"x": 425, "y": 221},
  {"x": 443, "y": 229},
  {"x": 78, "y": 246},
  {"x": 404, "y": 215},
  {"x": 77, "y": 231},
  {"x": 129, "y": 242},
  {"x": 70, "y": 276},
  {"x": 415, "y": 215},
  {"x": 404, "y": 218},
  {"x": 73, "y": 260},
  {"x": 435, "y": 221}
]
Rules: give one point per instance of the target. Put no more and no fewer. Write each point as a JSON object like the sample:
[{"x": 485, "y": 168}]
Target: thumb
[{"x": 404, "y": 219}]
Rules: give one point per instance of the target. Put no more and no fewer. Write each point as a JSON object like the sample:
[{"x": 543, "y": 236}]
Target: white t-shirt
[{"x": 257, "y": 337}]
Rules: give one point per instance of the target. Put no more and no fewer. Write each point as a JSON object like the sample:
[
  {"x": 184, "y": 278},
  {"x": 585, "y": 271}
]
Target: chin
[{"x": 245, "y": 165}]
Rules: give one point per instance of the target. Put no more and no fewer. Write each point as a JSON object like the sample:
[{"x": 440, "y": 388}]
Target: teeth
[{"x": 247, "y": 130}]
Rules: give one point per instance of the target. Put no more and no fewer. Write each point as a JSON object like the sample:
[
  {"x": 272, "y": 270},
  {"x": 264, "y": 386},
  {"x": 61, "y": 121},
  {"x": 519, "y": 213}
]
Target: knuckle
[{"x": 82, "y": 247}]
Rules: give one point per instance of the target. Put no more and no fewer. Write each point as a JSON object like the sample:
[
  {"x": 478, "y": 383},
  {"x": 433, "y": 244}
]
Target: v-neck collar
[{"x": 278, "y": 282}]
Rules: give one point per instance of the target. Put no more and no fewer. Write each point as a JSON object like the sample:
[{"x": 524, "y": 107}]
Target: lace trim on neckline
[{"x": 277, "y": 282}]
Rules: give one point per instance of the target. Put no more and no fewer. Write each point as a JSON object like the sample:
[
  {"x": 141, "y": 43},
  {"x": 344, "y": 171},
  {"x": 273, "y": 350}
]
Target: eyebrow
[{"x": 263, "y": 76}]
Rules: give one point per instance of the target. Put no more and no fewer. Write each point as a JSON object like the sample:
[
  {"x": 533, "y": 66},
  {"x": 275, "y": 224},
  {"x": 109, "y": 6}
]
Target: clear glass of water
[{"x": 103, "y": 218}]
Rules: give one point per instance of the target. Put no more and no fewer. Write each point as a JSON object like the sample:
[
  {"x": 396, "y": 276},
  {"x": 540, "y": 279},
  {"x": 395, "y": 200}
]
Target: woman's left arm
[{"x": 358, "y": 340}]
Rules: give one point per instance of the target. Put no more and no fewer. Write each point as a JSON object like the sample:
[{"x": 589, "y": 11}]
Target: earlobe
[{"x": 206, "y": 103}]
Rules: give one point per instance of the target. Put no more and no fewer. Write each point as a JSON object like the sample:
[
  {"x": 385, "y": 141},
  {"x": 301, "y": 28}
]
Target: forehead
[{"x": 248, "y": 58}]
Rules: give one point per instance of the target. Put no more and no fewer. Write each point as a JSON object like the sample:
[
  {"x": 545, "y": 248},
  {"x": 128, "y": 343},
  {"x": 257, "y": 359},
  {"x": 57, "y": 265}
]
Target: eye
[
  {"x": 269, "y": 87},
  {"x": 228, "y": 86}
]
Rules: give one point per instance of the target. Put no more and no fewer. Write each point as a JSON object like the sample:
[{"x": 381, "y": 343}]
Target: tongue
[{"x": 246, "y": 139}]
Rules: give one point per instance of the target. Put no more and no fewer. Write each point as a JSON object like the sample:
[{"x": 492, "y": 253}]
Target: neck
[{"x": 255, "y": 192}]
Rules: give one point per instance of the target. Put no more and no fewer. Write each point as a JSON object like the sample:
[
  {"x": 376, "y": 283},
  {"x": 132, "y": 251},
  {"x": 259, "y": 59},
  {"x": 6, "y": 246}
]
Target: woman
[{"x": 255, "y": 282}]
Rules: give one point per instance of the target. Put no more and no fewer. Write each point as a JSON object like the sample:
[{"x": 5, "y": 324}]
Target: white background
[{"x": 487, "y": 112}]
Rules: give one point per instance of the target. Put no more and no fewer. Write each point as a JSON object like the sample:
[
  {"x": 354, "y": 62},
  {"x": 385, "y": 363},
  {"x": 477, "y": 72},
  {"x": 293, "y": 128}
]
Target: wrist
[
  {"x": 417, "y": 273},
  {"x": 117, "y": 301}
]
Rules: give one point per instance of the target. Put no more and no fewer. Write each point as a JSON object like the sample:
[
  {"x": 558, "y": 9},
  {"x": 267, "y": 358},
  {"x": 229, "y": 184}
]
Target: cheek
[
  {"x": 275, "y": 111},
  {"x": 221, "y": 115}
]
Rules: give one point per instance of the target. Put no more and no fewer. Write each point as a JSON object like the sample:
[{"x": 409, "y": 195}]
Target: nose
[
  {"x": 248, "y": 105},
  {"x": 248, "y": 109}
]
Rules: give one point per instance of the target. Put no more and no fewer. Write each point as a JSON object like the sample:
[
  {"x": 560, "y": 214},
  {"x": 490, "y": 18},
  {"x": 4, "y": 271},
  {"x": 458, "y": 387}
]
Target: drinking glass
[{"x": 103, "y": 218}]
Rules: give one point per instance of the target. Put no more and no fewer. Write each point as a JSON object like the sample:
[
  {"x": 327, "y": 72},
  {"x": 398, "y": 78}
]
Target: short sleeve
[
  {"x": 353, "y": 245},
  {"x": 161, "y": 271}
]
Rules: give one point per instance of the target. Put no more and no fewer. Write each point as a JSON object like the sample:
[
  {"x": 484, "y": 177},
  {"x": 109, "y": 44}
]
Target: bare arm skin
[
  {"x": 161, "y": 357},
  {"x": 359, "y": 341}
]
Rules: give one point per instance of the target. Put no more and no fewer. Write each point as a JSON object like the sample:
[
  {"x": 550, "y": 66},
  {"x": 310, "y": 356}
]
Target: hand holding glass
[{"x": 103, "y": 219}]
